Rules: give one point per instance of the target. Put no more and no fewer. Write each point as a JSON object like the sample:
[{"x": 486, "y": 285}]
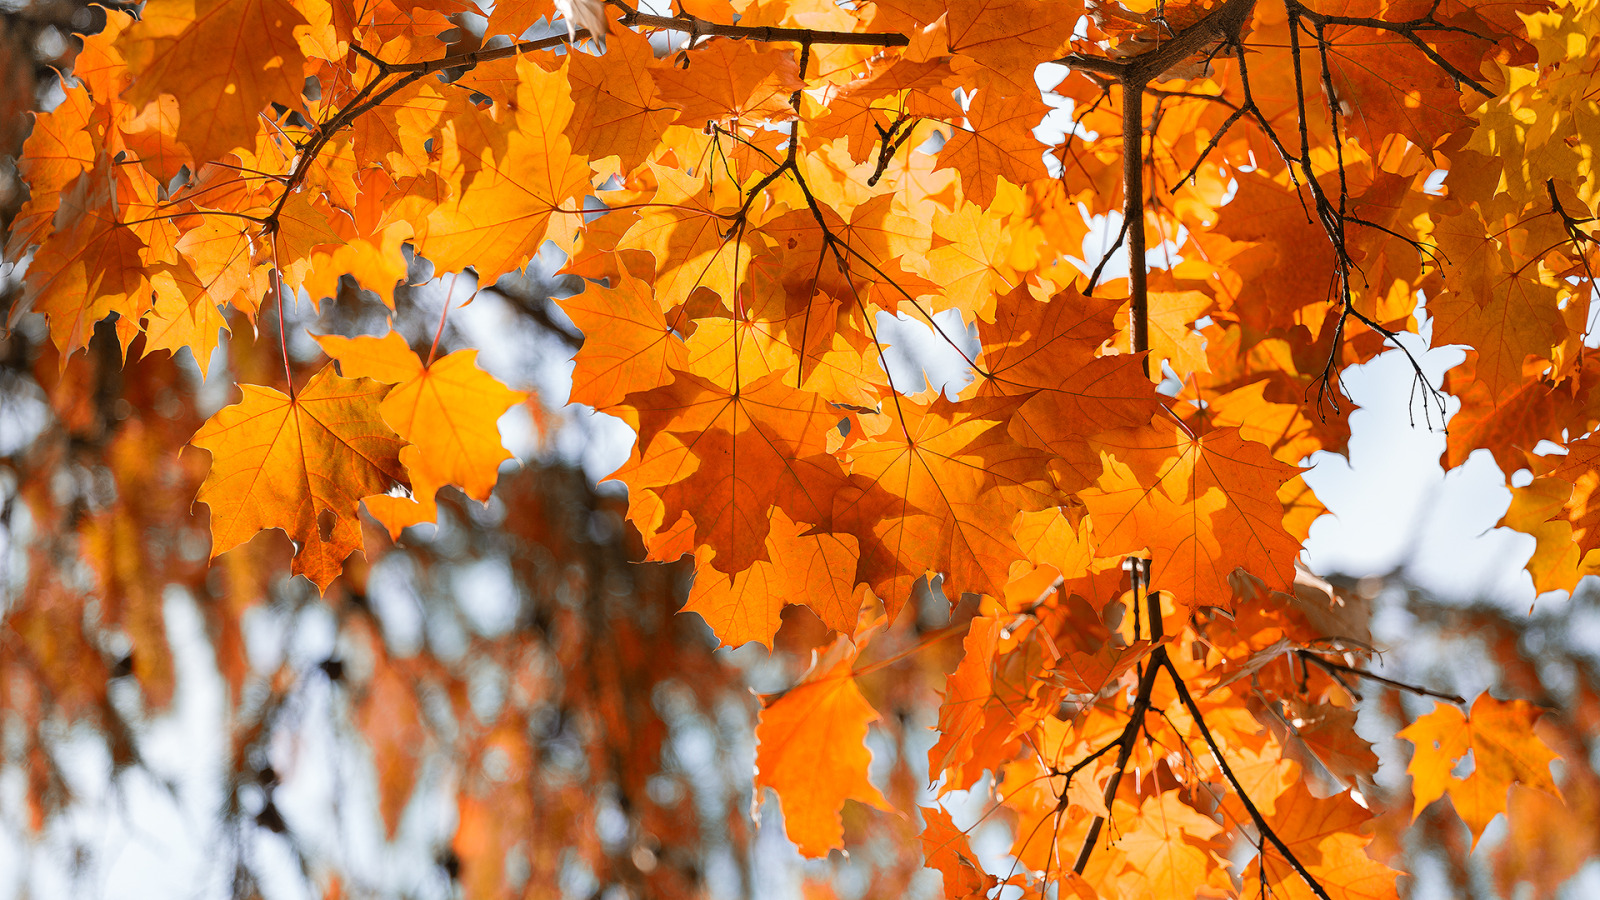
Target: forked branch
[
  {"x": 1222, "y": 24},
  {"x": 1128, "y": 740}
]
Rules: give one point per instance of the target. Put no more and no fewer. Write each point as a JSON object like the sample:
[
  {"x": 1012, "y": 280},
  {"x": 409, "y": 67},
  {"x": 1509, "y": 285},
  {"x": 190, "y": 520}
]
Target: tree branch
[
  {"x": 1135, "y": 74},
  {"x": 1408, "y": 30},
  {"x": 1133, "y": 217},
  {"x": 690, "y": 24},
  {"x": 1159, "y": 660},
  {"x": 1330, "y": 666},
  {"x": 1124, "y": 744},
  {"x": 1221, "y": 24},
  {"x": 1130, "y": 733}
]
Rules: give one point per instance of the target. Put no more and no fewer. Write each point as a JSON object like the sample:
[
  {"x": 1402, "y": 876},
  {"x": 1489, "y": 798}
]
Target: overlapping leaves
[{"x": 752, "y": 213}]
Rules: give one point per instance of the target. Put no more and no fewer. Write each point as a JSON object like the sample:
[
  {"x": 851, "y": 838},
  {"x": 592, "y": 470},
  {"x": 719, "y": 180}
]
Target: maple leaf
[
  {"x": 446, "y": 412},
  {"x": 184, "y": 315},
  {"x": 970, "y": 259},
  {"x": 1392, "y": 91},
  {"x": 499, "y": 221},
  {"x": 809, "y": 749},
  {"x": 224, "y": 61},
  {"x": 1093, "y": 658},
  {"x": 628, "y": 347},
  {"x": 683, "y": 229},
  {"x": 1287, "y": 263},
  {"x": 91, "y": 264},
  {"x": 59, "y": 150},
  {"x": 1022, "y": 349},
  {"x": 1203, "y": 506},
  {"x": 1559, "y": 510},
  {"x": 1009, "y": 38},
  {"x": 513, "y": 17},
  {"x": 813, "y": 570},
  {"x": 1166, "y": 848},
  {"x": 1325, "y": 836},
  {"x": 729, "y": 80},
  {"x": 617, "y": 112},
  {"x": 946, "y": 849},
  {"x": 1504, "y": 748},
  {"x": 858, "y": 110},
  {"x": 998, "y": 144},
  {"x": 1490, "y": 300},
  {"x": 301, "y": 464},
  {"x": 935, "y": 489},
  {"x": 734, "y": 451},
  {"x": 85, "y": 274},
  {"x": 1511, "y": 424},
  {"x": 966, "y": 694},
  {"x": 1173, "y": 341},
  {"x": 1323, "y": 735}
]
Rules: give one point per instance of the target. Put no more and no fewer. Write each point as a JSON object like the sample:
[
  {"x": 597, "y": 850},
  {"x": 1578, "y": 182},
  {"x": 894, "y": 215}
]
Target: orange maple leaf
[
  {"x": 810, "y": 750},
  {"x": 813, "y": 570},
  {"x": 1203, "y": 506},
  {"x": 58, "y": 151},
  {"x": 966, "y": 695},
  {"x": 1560, "y": 510},
  {"x": 501, "y": 218},
  {"x": 733, "y": 451},
  {"x": 947, "y": 849},
  {"x": 627, "y": 344},
  {"x": 726, "y": 79},
  {"x": 617, "y": 109},
  {"x": 225, "y": 61},
  {"x": 1023, "y": 349},
  {"x": 936, "y": 490},
  {"x": 1326, "y": 837},
  {"x": 1491, "y": 299},
  {"x": 302, "y": 464},
  {"x": 1166, "y": 847},
  {"x": 998, "y": 144},
  {"x": 683, "y": 229}
]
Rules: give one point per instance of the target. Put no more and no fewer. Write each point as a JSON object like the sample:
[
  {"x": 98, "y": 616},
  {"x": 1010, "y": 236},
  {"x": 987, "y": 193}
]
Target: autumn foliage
[{"x": 1103, "y": 520}]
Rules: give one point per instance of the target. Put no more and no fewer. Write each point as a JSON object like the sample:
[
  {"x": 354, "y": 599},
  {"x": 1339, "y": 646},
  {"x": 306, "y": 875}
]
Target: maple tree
[{"x": 1131, "y": 669}]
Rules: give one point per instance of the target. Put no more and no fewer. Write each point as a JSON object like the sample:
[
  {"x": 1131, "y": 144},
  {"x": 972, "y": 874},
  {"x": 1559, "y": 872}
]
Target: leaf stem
[
  {"x": 283, "y": 334},
  {"x": 439, "y": 332}
]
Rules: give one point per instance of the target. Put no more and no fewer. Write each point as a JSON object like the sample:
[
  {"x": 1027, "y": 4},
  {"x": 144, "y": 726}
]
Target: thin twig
[
  {"x": 1159, "y": 660},
  {"x": 1331, "y": 667}
]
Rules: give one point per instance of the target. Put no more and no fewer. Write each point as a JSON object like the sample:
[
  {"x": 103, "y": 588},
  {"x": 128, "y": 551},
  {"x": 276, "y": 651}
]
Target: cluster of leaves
[{"x": 752, "y": 206}]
